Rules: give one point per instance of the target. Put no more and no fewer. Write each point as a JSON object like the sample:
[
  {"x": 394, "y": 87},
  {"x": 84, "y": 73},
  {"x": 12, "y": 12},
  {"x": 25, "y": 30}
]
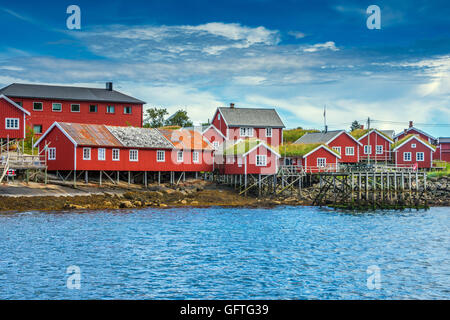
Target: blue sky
[{"x": 296, "y": 56}]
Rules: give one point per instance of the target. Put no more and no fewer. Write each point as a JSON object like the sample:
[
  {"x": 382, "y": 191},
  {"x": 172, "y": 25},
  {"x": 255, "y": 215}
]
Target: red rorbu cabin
[
  {"x": 312, "y": 157},
  {"x": 243, "y": 123},
  {"x": 420, "y": 133},
  {"x": 12, "y": 119},
  {"x": 443, "y": 149},
  {"x": 48, "y": 104},
  {"x": 376, "y": 144},
  {"x": 413, "y": 151}
]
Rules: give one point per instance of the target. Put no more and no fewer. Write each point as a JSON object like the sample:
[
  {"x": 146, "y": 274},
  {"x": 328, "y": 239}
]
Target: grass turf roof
[
  {"x": 399, "y": 142},
  {"x": 292, "y": 135},
  {"x": 358, "y": 133},
  {"x": 242, "y": 147},
  {"x": 299, "y": 150}
]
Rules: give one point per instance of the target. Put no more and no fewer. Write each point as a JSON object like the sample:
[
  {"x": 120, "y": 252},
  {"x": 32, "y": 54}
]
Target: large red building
[
  {"x": 47, "y": 104},
  {"x": 12, "y": 119},
  {"x": 413, "y": 151}
]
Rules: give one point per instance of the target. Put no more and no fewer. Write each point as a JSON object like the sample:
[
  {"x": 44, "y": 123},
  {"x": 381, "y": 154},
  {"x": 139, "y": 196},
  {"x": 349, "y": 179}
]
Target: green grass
[
  {"x": 293, "y": 135},
  {"x": 443, "y": 173},
  {"x": 299, "y": 150},
  {"x": 358, "y": 133},
  {"x": 399, "y": 142},
  {"x": 241, "y": 147}
]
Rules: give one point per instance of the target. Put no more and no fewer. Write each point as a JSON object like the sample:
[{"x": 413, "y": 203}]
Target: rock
[
  {"x": 107, "y": 204},
  {"x": 194, "y": 202},
  {"x": 183, "y": 201},
  {"x": 126, "y": 204},
  {"x": 162, "y": 205},
  {"x": 276, "y": 202},
  {"x": 73, "y": 206},
  {"x": 169, "y": 191}
]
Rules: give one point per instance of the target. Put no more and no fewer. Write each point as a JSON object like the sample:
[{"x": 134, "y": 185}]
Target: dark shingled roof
[
  {"x": 66, "y": 93},
  {"x": 317, "y": 137},
  {"x": 240, "y": 117}
]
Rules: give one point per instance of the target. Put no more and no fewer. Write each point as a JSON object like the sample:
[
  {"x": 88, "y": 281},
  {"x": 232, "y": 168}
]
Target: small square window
[
  {"x": 37, "y": 128},
  {"x": 261, "y": 160},
  {"x": 195, "y": 157},
  {"x": 127, "y": 110},
  {"x": 93, "y": 108},
  {"x": 116, "y": 154},
  {"x": 38, "y": 106},
  {"x": 57, "y": 107},
  {"x": 420, "y": 156},
  {"x": 110, "y": 109},
  {"x": 134, "y": 155},
  {"x": 406, "y": 156},
  {"x": 51, "y": 153},
  {"x": 379, "y": 149},
  {"x": 75, "y": 107},
  {"x": 12, "y": 123},
  {"x": 413, "y": 146},
  {"x": 160, "y": 156},
  {"x": 349, "y": 151},
  {"x": 86, "y": 153},
  {"x": 268, "y": 132},
  {"x": 101, "y": 154},
  {"x": 337, "y": 149},
  {"x": 321, "y": 162},
  {"x": 180, "y": 156}
]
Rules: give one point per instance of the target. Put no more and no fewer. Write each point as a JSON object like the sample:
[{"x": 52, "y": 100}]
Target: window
[
  {"x": 86, "y": 153},
  {"x": 56, "y": 107},
  {"x": 349, "y": 151},
  {"x": 420, "y": 156},
  {"x": 406, "y": 156},
  {"x": 413, "y": 146},
  {"x": 110, "y": 109},
  {"x": 101, "y": 154},
  {"x": 37, "y": 106},
  {"x": 261, "y": 160},
  {"x": 218, "y": 117},
  {"x": 133, "y": 155},
  {"x": 75, "y": 107},
  {"x": 160, "y": 156},
  {"x": 12, "y": 123},
  {"x": 37, "y": 128},
  {"x": 93, "y": 108},
  {"x": 379, "y": 150},
  {"x": 268, "y": 132},
  {"x": 246, "y": 132},
  {"x": 180, "y": 156},
  {"x": 216, "y": 144},
  {"x": 338, "y": 149},
  {"x": 116, "y": 154},
  {"x": 127, "y": 110},
  {"x": 195, "y": 157},
  {"x": 367, "y": 149},
  {"x": 51, "y": 153},
  {"x": 321, "y": 162},
  {"x": 239, "y": 162}
]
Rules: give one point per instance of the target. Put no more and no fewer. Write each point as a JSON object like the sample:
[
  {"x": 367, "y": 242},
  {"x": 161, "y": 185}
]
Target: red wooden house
[
  {"x": 420, "y": 133},
  {"x": 312, "y": 157},
  {"x": 214, "y": 135},
  {"x": 413, "y": 151},
  {"x": 339, "y": 140},
  {"x": 192, "y": 151},
  {"x": 48, "y": 104},
  {"x": 376, "y": 144},
  {"x": 242, "y": 123},
  {"x": 248, "y": 156},
  {"x": 12, "y": 119},
  {"x": 443, "y": 149}
]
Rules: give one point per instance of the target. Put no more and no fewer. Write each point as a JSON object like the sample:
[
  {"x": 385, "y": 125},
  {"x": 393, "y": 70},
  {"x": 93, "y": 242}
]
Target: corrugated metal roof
[
  {"x": 90, "y": 134},
  {"x": 444, "y": 139},
  {"x": 238, "y": 117},
  {"x": 66, "y": 93},
  {"x": 140, "y": 137},
  {"x": 187, "y": 139},
  {"x": 318, "y": 137}
]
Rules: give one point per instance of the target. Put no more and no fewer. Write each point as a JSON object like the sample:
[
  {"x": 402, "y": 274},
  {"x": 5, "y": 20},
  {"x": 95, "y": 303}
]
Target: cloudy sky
[{"x": 296, "y": 56}]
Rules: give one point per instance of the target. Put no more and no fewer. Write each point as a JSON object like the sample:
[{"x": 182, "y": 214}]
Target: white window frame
[
  {"x": 369, "y": 148},
  {"x": 125, "y": 108},
  {"x": 423, "y": 156},
  {"x": 413, "y": 146},
  {"x": 380, "y": 146},
  {"x": 239, "y": 162},
  {"x": 216, "y": 144},
  {"x": 35, "y": 125},
  {"x": 101, "y": 154},
  {"x": 42, "y": 106},
  {"x": 110, "y": 106},
  {"x": 180, "y": 156},
  {"x": 132, "y": 157},
  {"x": 261, "y": 160},
  {"x": 324, "y": 160},
  {"x": 114, "y": 153},
  {"x": 404, "y": 156},
  {"x": 75, "y": 104},
  {"x": 195, "y": 157},
  {"x": 347, "y": 149},
  {"x": 53, "y": 107},
  {"x": 12, "y": 123},
  {"x": 338, "y": 149},
  {"x": 84, "y": 153},
  {"x": 51, "y": 154},
  {"x": 246, "y": 132},
  {"x": 269, "y": 132},
  {"x": 160, "y": 156}
]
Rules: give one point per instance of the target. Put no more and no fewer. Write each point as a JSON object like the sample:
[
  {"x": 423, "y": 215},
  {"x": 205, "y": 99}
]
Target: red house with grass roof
[
  {"x": 413, "y": 151},
  {"x": 416, "y": 131},
  {"x": 313, "y": 157},
  {"x": 375, "y": 144}
]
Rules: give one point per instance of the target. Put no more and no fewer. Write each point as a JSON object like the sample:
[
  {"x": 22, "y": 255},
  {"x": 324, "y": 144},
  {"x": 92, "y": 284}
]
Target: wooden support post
[
  {"x": 86, "y": 177},
  {"x": 74, "y": 178},
  {"x": 145, "y": 179},
  {"x": 118, "y": 177},
  {"x": 259, "y": 185},
  {"x": 129, "y": 177},
  {"x": 159, "y": 177},
  {"x": 101, "y": 177}
]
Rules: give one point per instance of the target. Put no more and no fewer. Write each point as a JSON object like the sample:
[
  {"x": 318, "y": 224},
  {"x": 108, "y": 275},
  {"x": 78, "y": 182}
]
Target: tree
[
  {"x": 154, "y": 117},
  {"x": 355, "y": 125},
  {"x": 179, "y": 118}
]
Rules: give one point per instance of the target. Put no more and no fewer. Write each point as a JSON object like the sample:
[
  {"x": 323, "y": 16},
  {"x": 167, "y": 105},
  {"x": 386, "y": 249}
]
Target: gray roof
[
  {"x": 389, "y": 133},
  {"x": 20, "y": 90},
  {"x": 318, "y": 137},
  {"x": 238, "y": 117},
  {"x": 444, "y": 139},
  {"x": 140, "y": 137}
]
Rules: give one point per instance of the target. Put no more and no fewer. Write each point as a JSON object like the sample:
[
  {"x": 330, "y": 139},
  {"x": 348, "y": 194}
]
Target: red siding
[
  {"x": 415, "y": 132},
  {"x": 442, "y": 152},
  {"x": 375, "y": 139},
  {"x": 212, "y": 135},
  {"x": 7, "y": 110},
  {"x": 220, "y": 124},
  {"x": 260, "y": 133},
  {"x": 249, "y": 163},
  {"x": 64, "y": 150},
  {"x": 420, "y": 147},
  {"x": 310, "y": 162},
  {"x": 47, "y": 117},
  {"x": 343, "y": 141}
]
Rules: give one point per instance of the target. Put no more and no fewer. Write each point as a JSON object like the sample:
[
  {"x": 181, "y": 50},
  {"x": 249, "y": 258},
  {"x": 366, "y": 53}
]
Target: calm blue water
[{"x": 221, "y": 253}]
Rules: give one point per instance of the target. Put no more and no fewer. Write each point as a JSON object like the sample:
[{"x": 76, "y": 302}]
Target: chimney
[
  {"x": 232, "y": 105},
  {"x": 362, "y": 127},
  {"x": 109, "y": 86},
  {"x": 410, "y": 124},
  {"x": 405, "y": 131}
]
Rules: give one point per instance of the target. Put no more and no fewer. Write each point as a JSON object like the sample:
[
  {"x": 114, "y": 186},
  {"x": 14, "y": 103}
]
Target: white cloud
[
  {"x": 329, "y": 45},
  {"x": 297, "y": 34}
]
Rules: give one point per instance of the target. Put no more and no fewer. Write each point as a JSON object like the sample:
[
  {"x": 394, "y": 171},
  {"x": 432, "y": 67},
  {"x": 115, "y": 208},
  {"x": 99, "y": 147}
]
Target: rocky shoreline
[{"x": 194, "y": 193}]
